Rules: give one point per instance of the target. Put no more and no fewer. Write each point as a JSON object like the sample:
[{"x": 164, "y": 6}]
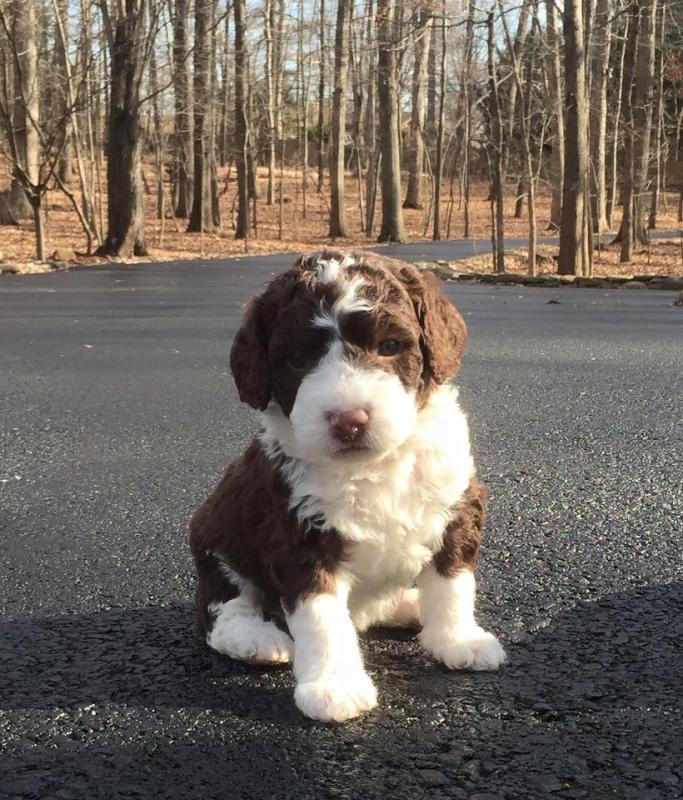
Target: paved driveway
[{"x": 118, "y": 415}]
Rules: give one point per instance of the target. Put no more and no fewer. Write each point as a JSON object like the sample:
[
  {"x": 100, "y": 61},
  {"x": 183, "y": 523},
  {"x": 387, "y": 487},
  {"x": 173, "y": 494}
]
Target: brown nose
[{"x": 348, "y": 426}]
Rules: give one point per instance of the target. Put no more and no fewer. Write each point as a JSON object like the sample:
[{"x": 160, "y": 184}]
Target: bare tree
[
  {"x": 338, "y": 121},
  {"x": 468, "y": 113},
  {"x": 22, "y": 123},
  {"x": 242, "y": 229},
  {"x": 637, "y": 106},
  {"x": 387, "y": 91},
  {"x": 322, "y": 62},
  {"x": 182, "y": 137},
  {"x": 575, "y": 256},
  {"x": 495, "y": 151},
  {"x": 599, "y": 66},
  {"x": 555, "y": 112},
  {"x": 129, "y": 46},
  {"x": 529, "y": 172},
  {"x": 423, "y": 25},
  {"x": 201, "y": 216},
  {"x": 438, "y": 171},
  {"x": 270, "y": 33},
  {"x": 658, "y": 115},
  {"x": 373, "y": 152}
]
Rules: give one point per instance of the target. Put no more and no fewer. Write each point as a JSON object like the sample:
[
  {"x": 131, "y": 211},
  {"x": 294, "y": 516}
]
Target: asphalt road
[{"x": 117, "y": 415}]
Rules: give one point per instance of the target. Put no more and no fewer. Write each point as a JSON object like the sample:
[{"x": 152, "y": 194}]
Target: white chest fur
[{"x": 395, "y": 510}]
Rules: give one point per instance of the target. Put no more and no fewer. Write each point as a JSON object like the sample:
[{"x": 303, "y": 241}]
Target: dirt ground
[
  {"x": 663, "y": 257},
  {"x": 306, "y": 229}
]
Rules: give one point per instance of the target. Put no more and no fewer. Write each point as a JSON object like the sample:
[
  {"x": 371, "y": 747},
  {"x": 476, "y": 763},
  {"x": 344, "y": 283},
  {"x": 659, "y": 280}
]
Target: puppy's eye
[
  {"x": 388, "y": 347},
  {"x": 299, "y": 360}
]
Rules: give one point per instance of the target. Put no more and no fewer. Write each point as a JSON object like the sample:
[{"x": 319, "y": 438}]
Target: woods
[{"x": 341, "y": 120}]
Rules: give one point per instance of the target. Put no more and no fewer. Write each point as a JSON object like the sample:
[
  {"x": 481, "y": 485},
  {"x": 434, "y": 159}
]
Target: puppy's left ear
[{"x": 444, "y": 333}]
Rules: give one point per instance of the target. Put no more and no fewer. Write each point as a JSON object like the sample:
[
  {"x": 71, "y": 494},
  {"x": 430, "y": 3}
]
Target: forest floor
[
  {"x": 303, "y": 230},
  {"x": 661, "y": 257}
]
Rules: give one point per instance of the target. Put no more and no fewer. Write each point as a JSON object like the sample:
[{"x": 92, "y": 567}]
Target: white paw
[
  {"x": 473, "y": 648},
  {"x": 337, "y": 698},
  {"x": 251, "y": 639}
]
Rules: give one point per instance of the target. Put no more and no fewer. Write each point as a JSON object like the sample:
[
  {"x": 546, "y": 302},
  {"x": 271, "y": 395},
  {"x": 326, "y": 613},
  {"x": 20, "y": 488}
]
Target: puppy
[{"x": 357, "y": 503}]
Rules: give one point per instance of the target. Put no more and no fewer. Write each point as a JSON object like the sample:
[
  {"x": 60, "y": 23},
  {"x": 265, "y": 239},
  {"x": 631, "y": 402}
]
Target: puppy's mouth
[{"x": 346, "y": 450}]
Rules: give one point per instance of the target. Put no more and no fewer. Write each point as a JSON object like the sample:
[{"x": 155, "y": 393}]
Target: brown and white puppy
[{"x": 357, "y": 503}]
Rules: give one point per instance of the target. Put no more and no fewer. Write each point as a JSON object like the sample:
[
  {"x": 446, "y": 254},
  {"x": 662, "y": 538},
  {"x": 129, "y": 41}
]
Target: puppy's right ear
[
  {"x": 249, "y": 356},
  {"x": 249, "y": 360}
]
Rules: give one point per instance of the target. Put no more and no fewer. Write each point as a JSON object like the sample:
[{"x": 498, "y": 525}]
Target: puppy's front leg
[
  {"x": 331, "y": 682},
  {"x": 449, "y": 630},
  {"x": 447, "y": 591}
]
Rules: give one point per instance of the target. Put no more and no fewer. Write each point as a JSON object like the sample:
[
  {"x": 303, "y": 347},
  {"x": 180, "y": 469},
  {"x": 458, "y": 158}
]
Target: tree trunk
[
  {"x": 269, "y": 19},
  {"x": 642, "y": 116},
  {"x": 392, "y": 214},
  {"x": 431, "y": 80},
  {"x": 616, "y": 120},
  {"x": 638, "y": 94},
  {"x": 321, "y": 97},
  {"x": 201, "y": 217},
  {"x": 357, "y": 54},
  {"x": 555, "y": 112},
  {"x": 158, "y": 137},
  {"x": 625, "y": 235},
  {"x": 338, "y": 121},
  {"x": 510, "y": 107},
  {"x": 575, "y": 251},
  {"x": 369, "y": 126},
  {"x": 212, "y": 138},
  {"x": 438, "y": 172},
  {"x": 496, "y": 151},
  {"x": 417, "y": 118},
  {"x": 599, "y": 65},
  {"x": 467, "y": 134},
  {"x": 125, "y": 212},
  {"x": 182, "y": 134},
  {"x": 525, "y": 114},
  {"x": 26, "y": 112},
  {"x": 243, "y": 225},
  {"x": 62, "y": 107},
  {"x": 658, "y": 115}
]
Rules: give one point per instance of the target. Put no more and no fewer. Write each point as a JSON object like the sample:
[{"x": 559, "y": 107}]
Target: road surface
[{"x": 117, "y": 417}]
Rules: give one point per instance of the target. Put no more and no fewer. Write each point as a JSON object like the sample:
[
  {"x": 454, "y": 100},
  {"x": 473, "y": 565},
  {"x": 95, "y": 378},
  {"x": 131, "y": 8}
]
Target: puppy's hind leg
[
  {"x": 240, "y": 631},
  {"x": 231, "y": 616},
  {"x": 406, "y": 611}
]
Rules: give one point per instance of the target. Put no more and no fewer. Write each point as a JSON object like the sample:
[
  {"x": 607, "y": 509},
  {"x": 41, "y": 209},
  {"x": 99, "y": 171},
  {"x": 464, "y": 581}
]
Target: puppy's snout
[{"x": 348, "y": 426}]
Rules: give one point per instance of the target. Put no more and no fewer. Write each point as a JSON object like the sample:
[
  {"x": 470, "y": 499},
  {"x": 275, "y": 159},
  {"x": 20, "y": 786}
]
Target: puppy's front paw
[
  {"x": 337, "y": 698},
  {"x": 473, "y": 648}
]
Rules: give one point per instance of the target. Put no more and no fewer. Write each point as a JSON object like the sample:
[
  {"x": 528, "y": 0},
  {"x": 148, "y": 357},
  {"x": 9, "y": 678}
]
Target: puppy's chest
[
  {"x": 394, "y": 519},
  {"x": 395, "y": 530}
]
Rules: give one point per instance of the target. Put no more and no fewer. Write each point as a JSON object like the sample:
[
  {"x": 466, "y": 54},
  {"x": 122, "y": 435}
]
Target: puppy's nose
[{"x": 348, "y": 426}]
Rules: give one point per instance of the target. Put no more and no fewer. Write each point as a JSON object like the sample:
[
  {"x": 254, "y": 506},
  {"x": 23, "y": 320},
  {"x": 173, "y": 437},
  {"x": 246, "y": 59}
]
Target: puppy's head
[{"x": 342, "y": 351}]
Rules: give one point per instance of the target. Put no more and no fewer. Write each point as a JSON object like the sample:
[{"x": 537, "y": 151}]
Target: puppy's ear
[
  {"x": 444, "y": 333},
  {"x": 249, "y": 356},
  {"x": 249, "y": 360}
]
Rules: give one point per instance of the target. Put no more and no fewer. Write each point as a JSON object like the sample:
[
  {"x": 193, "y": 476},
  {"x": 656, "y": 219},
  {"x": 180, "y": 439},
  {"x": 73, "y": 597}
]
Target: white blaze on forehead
[
  {"x": 330, "y": 270},
  {"x": 347, "y": 303}
]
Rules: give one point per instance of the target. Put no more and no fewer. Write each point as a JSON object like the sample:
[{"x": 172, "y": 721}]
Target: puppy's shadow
[
  {"x": 623, "y": 648},
  {"x": 151, "y": 657}
]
